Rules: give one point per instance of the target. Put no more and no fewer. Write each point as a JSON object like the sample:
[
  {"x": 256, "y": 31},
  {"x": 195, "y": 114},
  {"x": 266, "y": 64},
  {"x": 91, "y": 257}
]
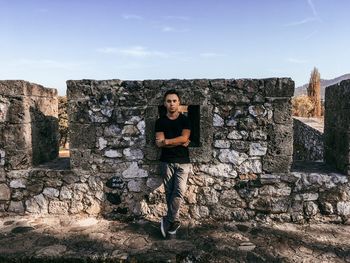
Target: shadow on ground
[{"x": 68, "y": 239}]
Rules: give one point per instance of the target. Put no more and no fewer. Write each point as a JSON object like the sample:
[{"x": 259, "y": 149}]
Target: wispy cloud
[
  {"x": 46, "y": 63},
  {"x": 312, "y": 6},
  {"x": 172, "y": 29},
  {"x": 132, "y": 16},
  {"x": 184, "y": 18},
  {"x": 314, "y": 18},
  {"x": 309, "y": 36},
  {"x": 210, "y": 55},
  {"x": 302, "y": 22},
  {"x": 297, "y": 60},
  {"x": 134, "y": 51}
]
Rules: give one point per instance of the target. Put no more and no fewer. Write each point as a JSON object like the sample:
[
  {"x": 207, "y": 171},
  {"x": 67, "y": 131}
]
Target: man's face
[{"x": 172, "y": 103}]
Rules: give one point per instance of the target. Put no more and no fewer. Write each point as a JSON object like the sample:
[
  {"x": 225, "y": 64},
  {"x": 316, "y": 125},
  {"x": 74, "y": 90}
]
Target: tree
[
  {"x": 63, "y": 120},
  {"x": 314, "y": 92}
]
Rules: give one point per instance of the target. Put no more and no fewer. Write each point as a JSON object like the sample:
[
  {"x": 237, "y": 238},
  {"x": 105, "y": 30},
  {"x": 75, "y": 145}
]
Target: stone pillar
[
  {"x": 28, "y": 124},
  {"x": 337, "y": 126}
]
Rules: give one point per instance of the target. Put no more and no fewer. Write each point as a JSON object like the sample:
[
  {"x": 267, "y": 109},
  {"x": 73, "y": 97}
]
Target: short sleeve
[
  {"x": 186, "y": 123},
  {"x": 158, "y": 126}
]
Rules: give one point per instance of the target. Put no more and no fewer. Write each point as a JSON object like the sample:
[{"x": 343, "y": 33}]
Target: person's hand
[
  {"x": 186, "y": 143},
  {"x": 160, "y": 143}
]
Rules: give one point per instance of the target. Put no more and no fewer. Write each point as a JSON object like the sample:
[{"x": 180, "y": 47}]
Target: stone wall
[
  {"x": 308, "y": 142},
  {"x": 245, "y": 133},
  {"x": 28, "y": 137},
  {"x": 28, "y": 124},
  {"x": 241, "y": 169},
  {"x": 337, "y": 126}
]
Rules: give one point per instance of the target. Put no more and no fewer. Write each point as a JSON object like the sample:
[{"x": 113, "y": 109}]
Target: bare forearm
[{"x": 176, "y": 141}]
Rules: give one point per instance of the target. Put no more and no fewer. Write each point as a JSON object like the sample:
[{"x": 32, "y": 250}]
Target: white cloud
[
  {"x": 297, "y": 60},
  {"x": 210, "y": 55},
  {"x": 132, "y": 16},
  {"x": 135, "y": 51}
]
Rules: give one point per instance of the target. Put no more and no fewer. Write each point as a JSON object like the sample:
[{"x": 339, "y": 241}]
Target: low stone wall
[
  {"x": 337, "y": 126},
  {"x": 308, "y": 142},
  {"x": 28, "y": 124},
  {"x": 46, "y": 191}
]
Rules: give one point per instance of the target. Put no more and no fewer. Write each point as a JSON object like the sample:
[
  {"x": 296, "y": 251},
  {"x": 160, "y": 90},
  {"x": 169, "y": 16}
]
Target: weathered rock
[
  {"x": 133, "y": 154},
  {"x": 113, "y": 154},
  {"x": 18, "y": 183},
  {"x": 218, "y": 170},
  {"x": 232, "y": 156},
  {"x": 16, "y": 207},
  {"x": 257, "y": 149},
  {"x": 58, "y": 207},
  {"x": 51, "y": 192},
  {"x": 217, "y": 120},
  {"x": 343, "y": 208},
  {"x": 134, "y": 186},
  {"x": 134, "y": 171},
  {"x": 5, "y": 192}
]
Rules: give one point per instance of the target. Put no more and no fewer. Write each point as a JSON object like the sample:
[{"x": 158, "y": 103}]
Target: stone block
[
  {"x": 16, "y": 207},
  {"x": 13, "y": 87},
  {"x": 16, "y": 136},
  {"x": 282, "y": 111},
  {"x": 5, "y": 192},
  {"x": 80, "y": 159},
  {"x": 58, "y": 207},
  {"x": 277, "y": 164},
  {"x": 283, "y": 87},
  {"x": 82, "y": 140},
  {"x": 281, "y": 140}
]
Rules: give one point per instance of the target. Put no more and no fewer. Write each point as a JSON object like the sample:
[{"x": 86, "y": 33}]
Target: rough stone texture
[
  {"x": 28, "y": 124},
  {"x": 308, "y": 141},
  {"x": 337, "y": 126},
  {"x": 79, "y": 239},
  {"x": 241, "y": 169}
]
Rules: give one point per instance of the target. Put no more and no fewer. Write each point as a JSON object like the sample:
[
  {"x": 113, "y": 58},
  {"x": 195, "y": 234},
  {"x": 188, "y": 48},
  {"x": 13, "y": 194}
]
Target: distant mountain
[{"x": 324, "y": 83}]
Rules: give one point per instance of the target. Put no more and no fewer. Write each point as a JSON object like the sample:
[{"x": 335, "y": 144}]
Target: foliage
[
  {"x": 302, "y": 106},
  {"x": 314, "y": 92},
  {"x": 63, "y": 120}
]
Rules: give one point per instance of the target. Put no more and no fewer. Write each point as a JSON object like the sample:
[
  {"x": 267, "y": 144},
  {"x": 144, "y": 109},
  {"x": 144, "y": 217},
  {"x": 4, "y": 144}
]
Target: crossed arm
[{"x": 169, "y": 143}]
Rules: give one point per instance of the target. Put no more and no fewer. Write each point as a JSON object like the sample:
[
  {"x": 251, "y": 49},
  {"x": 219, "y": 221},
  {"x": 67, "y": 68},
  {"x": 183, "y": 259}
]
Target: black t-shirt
[{"x": 173, "y": 129}]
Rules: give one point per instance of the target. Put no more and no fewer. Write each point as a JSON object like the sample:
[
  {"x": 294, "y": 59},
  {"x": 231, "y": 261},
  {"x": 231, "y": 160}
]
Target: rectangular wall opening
[{"x": 193, "y": 113}]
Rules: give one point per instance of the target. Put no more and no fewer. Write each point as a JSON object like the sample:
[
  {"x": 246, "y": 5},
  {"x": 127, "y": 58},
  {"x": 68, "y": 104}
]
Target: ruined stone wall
[
  {"x": 308, "y": 142},
  {"x": 337, "y": 126},
  {"x": 28, "y": 136},
  {"x": 28, "y": 124},
  {"x": 241, "y": 167},
  {"x": 245, "y": 134}
]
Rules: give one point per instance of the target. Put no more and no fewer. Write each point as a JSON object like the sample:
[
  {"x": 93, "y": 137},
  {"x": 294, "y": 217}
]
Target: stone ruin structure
[{"x": 242, "y": 147}]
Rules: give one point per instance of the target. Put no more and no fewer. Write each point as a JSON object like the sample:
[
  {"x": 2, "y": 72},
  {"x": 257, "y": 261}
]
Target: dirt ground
[{"x": 87, "y": 239}]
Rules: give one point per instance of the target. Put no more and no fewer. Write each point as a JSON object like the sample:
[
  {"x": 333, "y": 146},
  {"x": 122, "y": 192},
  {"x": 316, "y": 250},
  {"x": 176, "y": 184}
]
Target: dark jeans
[{"x": 175, "y": 180}]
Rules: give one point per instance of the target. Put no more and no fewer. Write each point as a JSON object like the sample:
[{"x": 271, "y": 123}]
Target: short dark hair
[{"x": 171, "y": 91}]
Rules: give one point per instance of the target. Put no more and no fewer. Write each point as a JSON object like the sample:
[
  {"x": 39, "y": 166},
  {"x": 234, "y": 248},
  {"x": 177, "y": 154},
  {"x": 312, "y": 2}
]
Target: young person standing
[{"x": 172, "y": 135}]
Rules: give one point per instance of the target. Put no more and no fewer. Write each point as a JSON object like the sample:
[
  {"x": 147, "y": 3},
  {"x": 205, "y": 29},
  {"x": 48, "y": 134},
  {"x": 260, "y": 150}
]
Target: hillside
[{"x": 324, "y": 83}]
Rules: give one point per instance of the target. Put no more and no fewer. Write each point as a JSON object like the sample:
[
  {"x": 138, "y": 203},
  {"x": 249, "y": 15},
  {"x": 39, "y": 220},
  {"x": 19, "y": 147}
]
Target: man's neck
[{"x": 173, "y": 115}]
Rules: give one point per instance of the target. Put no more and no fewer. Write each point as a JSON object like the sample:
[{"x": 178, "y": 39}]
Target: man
[{"x": 172, "y": 135}]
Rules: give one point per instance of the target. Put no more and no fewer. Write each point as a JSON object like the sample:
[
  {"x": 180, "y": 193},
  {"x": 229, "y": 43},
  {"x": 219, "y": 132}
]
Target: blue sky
[{"x": 51, "y": 41}]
